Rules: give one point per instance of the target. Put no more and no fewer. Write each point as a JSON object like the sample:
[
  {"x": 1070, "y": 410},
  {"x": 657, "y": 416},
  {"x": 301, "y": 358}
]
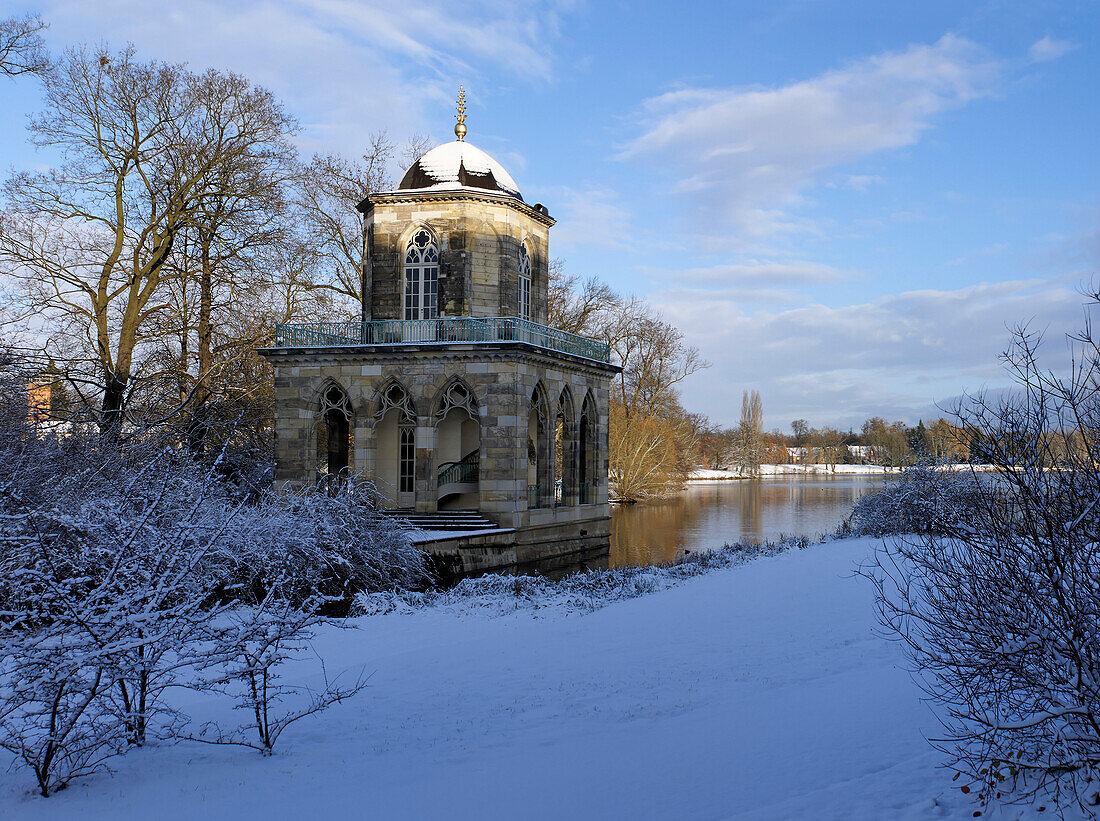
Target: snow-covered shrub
[
  {"x": 1000, "y": 608},
  {"x": 922, "y": 499},
  {"x": 123, "y": 566},
  {"x": 496, "y": 594},
  {"x": 314, "y": 545},
  {"x": 244, "y": 652}
]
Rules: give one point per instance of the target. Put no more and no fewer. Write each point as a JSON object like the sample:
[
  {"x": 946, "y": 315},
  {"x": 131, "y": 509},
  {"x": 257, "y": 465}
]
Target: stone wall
[
  {"x": 479, "y": 237},
  {"x": 502, "y": 377},
  {"x": 549, "y": 549}
]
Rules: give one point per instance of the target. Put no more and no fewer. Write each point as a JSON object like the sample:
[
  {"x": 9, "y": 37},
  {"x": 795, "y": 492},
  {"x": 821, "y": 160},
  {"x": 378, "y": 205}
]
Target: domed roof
[{"x": 457, "y": 165}]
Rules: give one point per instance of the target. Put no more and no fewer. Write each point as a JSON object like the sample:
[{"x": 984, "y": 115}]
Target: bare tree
[
  {"x": 579, "y": 307},
  {"x": 91, "y": 239},
  {"x": 330, "y": 188},
  {"x": 996, "y": 598},
  {"x": 750, "y": 433},
  {"x": 21, "y": 48},
  {"x": 227, "y": 258}
]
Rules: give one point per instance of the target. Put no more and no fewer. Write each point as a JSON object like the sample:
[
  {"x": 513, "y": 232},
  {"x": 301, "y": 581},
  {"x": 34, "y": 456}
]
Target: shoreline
[{"x": 767, "y": 471}]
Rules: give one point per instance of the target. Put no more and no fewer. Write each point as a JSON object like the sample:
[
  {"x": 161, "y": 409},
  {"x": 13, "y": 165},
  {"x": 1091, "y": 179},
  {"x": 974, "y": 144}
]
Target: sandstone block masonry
[
  {"x": 516, "y": 389},
  {"x": 479, "y": 233}
]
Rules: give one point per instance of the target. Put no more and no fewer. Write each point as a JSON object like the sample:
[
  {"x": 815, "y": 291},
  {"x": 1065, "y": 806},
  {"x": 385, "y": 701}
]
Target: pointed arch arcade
[
  {"x": 588, "y": 452},
  {"x": 333, "y": 432},
  {"x": 540, "y": 476},
  {"x": 395, "y": 443}
]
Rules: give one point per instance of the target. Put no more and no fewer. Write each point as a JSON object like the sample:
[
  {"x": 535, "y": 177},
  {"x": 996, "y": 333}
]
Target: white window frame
[
  {"x": 421, "y": 276},
  {"x": 524, "y": 283},
  {"x": 406, "y": 460}
]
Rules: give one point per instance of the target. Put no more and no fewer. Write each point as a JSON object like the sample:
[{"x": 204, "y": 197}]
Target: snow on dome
[{"x": 456, "y": 165}]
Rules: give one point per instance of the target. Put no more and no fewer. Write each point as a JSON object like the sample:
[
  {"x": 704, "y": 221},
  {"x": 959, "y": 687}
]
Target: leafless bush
[
  {"x": 921, "y": 500},
  {"x": 123, "y": 570},
  {"x": 998, "y": 604},
  {"x": 245, "y": 653},
  {"x": 319, "y": 547}
]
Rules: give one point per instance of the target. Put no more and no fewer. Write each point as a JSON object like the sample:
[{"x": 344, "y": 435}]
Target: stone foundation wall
[{"x": 549, "y": 549}]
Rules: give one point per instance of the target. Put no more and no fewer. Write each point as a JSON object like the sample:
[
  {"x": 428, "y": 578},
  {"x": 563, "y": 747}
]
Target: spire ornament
[{"x": 460, "y": 126}]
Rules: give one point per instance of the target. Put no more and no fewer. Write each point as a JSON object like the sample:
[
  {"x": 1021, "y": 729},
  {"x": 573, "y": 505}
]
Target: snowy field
[{"x": 755, "y": 692}]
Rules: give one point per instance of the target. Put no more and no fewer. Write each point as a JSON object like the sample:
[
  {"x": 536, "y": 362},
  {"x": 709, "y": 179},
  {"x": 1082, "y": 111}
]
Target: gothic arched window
[
  {"x": 524, "y": 283},
  {"x": 422, "y": 276}
]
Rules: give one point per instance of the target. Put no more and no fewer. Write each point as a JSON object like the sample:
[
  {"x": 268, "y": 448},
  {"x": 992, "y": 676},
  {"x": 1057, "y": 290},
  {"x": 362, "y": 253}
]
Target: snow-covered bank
[
  {"x": 700, "y": 474},
  {"x": 758, "y": 691},
  {"x": 708, "y": 474}
]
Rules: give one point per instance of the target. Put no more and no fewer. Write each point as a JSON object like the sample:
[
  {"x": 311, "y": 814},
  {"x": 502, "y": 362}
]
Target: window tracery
[
  {"x": 524, "y": 283},
  {"x": 396, "y": 398},
  {"x": 457, "y": 395},
  {"x": 334, "y": 399},
  {"x": 422, "y": 276}
]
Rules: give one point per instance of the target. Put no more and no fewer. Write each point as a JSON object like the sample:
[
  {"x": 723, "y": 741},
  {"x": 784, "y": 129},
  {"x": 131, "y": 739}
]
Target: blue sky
[{"x": 843, "y": 204}]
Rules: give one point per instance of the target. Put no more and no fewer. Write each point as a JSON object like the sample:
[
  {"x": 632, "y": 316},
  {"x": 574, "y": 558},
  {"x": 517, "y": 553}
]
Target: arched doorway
[
  {"x": 457, "y": 448},
  {"x": 539, "y": 476},
  {"x": 395, "y": 447},
  {"x": 587, "y": 453},
  {"x": 333, "y": 440},
  {"x": 565, "y": 448}
]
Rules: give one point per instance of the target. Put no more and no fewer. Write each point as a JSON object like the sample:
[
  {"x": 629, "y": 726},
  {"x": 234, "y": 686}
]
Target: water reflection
[{"x": 708, "y": 515}]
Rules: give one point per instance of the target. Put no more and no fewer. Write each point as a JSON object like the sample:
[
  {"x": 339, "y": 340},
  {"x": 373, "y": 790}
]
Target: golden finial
[{"x": 460, "y": 126}]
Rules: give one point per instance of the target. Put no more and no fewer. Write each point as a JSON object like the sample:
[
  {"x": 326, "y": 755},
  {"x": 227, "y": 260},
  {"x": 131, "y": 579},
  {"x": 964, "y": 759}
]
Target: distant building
[
  {"x": 452, "y": 395},
  {"x": 39, "y": 401}
]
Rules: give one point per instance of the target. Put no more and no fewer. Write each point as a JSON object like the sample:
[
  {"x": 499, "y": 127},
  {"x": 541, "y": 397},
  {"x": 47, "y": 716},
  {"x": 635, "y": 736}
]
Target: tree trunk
[
  {"x": 200, "y": 412},
  {"x": 110, "y": 421}
]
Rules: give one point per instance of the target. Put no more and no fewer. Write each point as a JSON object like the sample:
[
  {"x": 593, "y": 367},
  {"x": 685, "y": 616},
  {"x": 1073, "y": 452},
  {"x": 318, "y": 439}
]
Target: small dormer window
[
  {"x": 422, "y": 276},
  {"x": 524, "y": 283}
]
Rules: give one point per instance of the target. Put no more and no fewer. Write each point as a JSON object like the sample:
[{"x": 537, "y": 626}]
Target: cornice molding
[
  {"x": 503, "y": 351},
  {"x": 465, "y": 195}
]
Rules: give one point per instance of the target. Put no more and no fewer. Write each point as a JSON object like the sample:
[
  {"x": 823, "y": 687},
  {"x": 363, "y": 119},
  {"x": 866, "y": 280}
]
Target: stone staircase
[{"x": 453, "y": 520}]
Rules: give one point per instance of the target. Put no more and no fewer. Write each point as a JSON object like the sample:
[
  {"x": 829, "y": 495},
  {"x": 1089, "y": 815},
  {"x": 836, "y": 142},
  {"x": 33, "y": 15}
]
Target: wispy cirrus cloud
[
  {"x": 744, "y": 156},
  {"x": 896, "y": 354},
  {"x": 1049, "y": 48},
  {"x": 750, "y": 281},
  {"x": 346, "y": 67}
]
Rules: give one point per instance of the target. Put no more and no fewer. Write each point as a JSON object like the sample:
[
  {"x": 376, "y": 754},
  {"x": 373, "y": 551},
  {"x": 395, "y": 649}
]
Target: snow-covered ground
[{"x": 754, "y": 692}]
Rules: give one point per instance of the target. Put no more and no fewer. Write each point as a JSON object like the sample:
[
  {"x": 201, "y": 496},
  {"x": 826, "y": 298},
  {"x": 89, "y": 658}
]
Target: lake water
[{"x": 708, "y": 515}]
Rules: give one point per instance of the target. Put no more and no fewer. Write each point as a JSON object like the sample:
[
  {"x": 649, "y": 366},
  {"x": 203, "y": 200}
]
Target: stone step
[{"x": 446, "y": 520}]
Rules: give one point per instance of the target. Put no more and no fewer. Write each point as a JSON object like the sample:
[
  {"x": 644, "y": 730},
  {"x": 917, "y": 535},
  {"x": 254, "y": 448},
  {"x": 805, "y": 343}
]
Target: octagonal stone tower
[{"x": 451, "y": 394}]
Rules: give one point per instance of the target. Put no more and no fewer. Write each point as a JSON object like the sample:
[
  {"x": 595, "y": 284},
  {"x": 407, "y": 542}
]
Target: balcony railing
[
  {"x": 465, "y": 472},
  {"x": 438, "y": 331}
]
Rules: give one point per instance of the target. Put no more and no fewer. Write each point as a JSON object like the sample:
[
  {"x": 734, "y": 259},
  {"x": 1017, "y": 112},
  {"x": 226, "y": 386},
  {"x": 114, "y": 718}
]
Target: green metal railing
[
  {"x": 585, "y": 496},
  {"x": 464, "y": 472},
  {"x": 438, "y": 331},
  {"x": 534, "y": 497}
]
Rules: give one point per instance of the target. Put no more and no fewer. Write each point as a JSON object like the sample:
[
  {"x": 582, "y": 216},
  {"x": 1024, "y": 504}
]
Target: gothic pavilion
[{"x": 452, "y": 394}]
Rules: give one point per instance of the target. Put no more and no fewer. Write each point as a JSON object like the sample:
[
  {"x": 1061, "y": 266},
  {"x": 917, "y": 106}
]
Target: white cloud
[
  {"x": 347, "y": 68},
  {"x": 892, "y": 355},
  {"x": 770, "y": 272},
  {"x": 591, "y": 218},
  {"x": 751, "y": 281},
  {"x": 861, "y": 182},
  {"x": 1049, "y": 48},
  {"x": 746, "y": 155}
]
